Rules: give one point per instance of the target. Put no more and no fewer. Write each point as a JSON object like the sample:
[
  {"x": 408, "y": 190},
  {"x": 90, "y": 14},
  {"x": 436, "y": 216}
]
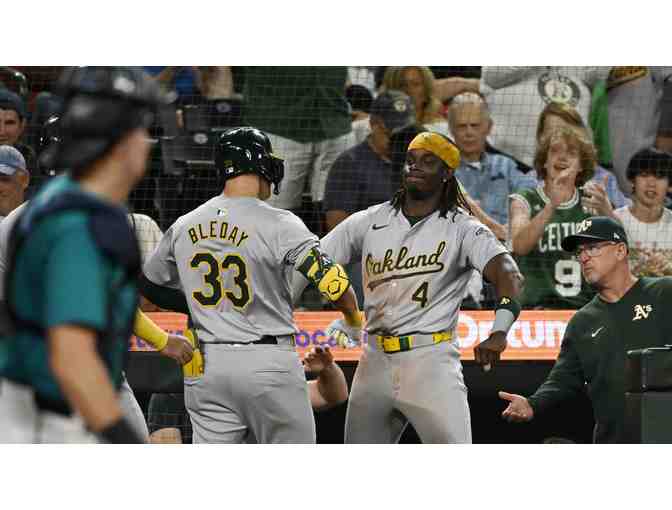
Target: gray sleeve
[
  {"x": 293, "y": 239},
  {"x": 344, "y": 243},
  {"x": 497, "y": 77},
  {"x": 479, "y": 245},
  {"x": 161, "y": 268}
]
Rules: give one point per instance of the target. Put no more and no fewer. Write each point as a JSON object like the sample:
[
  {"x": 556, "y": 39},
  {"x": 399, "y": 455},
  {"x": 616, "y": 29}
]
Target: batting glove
[{"x": 345, "y": 336}]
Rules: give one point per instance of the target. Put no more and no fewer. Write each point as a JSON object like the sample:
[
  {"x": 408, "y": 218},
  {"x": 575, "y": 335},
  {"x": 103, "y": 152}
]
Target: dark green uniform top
[
  {"x": 304, "y": 104},
  {"x": 552, "y": 276},
  {"x": 594, "y": 351},
  {"x": 62, "y": 277}
]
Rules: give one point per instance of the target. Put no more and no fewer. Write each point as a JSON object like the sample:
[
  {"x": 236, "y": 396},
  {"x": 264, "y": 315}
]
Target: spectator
[
  {"x": 489, "y": 179},
  {"x": 561, "y": 116},
  {"x": 306, "y": 116},
  {"x": 647, "y": 223},
  {"x": 14, "y": 179},
  {"x": 13, "y": 124},
  {"x": 517, "y": 95},
  {"x": 149, "y": 235},
  {"x": 360, "y": 100},
  {"x": 634, "y": 96},
  {"x": 542, "y": 217},
  {"x": 364, "y": 175},
  {"x": 419, "y": 83}
]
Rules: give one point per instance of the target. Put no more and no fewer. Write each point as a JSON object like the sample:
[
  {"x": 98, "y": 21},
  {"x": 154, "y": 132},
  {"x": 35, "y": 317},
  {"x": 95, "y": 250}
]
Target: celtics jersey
[
  {"x": 594, "y": 351},
  {"x": 233, "y": 258},
  {"x": 414, "y": 276},
  {"x": 552, "y": 276}
]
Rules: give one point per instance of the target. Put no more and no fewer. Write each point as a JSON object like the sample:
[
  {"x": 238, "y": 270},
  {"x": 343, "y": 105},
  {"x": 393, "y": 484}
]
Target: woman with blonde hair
[{"x": 419, "y": 83}]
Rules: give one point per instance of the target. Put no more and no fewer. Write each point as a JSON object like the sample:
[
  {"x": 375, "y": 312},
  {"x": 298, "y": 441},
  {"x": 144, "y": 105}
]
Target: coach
[{"x": 626, "y": 314}]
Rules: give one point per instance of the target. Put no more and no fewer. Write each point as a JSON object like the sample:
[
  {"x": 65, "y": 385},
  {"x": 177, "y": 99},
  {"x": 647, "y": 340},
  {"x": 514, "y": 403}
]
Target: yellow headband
[{"x": 439, "y": 146}]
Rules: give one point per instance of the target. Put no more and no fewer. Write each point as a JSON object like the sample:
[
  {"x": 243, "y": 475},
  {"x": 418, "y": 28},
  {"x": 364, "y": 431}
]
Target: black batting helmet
[
  {"x": 246, "y": 150},
  {"x": 100, "y": 105}
]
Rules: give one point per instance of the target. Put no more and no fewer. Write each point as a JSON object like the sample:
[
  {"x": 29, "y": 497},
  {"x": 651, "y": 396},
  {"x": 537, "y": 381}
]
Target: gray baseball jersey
[
  {"x": 234, "y": 259},
  {"x": 415, "y": 277}
]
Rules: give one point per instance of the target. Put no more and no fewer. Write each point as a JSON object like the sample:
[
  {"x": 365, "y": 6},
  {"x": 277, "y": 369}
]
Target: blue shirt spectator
[{"x": 489, "y": 179}]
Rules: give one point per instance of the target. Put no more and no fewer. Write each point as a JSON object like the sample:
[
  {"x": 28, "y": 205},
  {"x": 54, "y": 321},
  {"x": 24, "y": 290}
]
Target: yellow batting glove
[{"x": 195, "y": 367}]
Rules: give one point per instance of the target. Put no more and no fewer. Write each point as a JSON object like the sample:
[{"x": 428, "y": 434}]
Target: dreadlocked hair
[{"x": 452, "y": 198}]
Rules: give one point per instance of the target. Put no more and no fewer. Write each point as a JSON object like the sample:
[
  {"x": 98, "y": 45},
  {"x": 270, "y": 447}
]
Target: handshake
[{"x": 347, "y": 332}]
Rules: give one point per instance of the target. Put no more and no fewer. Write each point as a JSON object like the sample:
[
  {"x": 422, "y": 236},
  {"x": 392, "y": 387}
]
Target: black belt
[{"x": 264, "y": 340}]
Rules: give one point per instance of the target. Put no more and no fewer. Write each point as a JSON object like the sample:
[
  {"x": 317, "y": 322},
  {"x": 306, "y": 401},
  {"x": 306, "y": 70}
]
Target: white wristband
[{"x": 504, "y": 319}]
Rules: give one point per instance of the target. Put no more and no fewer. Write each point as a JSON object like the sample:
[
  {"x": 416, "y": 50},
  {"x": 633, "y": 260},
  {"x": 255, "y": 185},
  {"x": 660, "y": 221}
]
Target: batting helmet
[
  {"x": 246, "y": 150},
  {"x": 100, "y": 105}
]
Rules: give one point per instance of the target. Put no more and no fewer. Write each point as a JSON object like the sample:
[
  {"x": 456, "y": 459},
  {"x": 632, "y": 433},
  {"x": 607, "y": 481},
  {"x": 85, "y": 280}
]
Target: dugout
[{"x": 573, "y": 420}]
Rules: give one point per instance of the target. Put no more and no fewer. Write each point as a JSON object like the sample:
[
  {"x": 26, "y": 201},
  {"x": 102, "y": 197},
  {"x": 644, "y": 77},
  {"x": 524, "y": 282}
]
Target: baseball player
[
  {"x": 418, "y": 252},
  {"x": 233, "y": 258},
  {"x": 172, "y": 346},
  {"x": 169, "y": 420},
  {"x": 72, "y": 266}
]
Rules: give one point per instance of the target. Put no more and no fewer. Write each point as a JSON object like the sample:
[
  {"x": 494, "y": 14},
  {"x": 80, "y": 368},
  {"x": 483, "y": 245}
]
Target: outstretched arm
[{"x": 330, "y": 388}]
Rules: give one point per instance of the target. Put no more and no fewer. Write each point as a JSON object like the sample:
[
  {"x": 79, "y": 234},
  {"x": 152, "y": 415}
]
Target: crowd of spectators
[{"x": 541, "y": 148}]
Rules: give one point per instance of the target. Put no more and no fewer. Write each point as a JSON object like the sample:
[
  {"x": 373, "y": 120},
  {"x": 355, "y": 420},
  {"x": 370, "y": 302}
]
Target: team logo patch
[
  {"x": 400, "y": 105},
  {"x": 642, "y": 312},
  {"x": 556, "y": 88}
]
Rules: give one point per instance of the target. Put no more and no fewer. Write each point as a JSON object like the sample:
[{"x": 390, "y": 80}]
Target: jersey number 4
[
  {"x": 420, "y": 295},
  {"x": 242, "y": 295}
]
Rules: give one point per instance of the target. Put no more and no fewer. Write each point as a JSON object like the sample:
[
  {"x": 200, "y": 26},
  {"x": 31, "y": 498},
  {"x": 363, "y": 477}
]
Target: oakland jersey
[
  {"x": 414, "y": 276},
  {"x": 233, "y": 258},
  {"x": 552, "y": 276}
]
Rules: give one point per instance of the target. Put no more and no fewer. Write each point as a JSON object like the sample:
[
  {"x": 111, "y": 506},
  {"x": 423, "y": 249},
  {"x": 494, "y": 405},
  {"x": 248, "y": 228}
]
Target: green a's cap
[{"x": 595, "y": 230}]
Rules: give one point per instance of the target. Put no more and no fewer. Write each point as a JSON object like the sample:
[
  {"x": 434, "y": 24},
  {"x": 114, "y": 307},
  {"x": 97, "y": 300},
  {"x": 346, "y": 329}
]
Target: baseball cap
[
  {"x": 650, "y": 160},
  {"x": 11, "y": 160},
  {"x": 395, "y": 108},
  {"x": 593, "y": 230},
  {"x": 11, "y": 101}
]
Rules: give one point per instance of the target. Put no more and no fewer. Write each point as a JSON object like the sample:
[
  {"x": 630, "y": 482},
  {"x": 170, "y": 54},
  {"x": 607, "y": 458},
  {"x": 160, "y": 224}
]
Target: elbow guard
[{"x": 330, "y": 279}]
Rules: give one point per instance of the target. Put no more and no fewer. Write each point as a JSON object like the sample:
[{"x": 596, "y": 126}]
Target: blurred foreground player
[{"x": 73, "y": 263}]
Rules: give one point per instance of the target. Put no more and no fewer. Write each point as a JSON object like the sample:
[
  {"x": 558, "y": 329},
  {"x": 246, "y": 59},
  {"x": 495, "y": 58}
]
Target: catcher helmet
[
  {"x": 100, "y": 105},
  {"x": 246, "y": 150}
]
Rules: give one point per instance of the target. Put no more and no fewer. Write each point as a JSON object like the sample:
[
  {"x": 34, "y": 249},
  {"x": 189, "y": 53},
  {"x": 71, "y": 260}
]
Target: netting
[{"x": 344, "y": 148}]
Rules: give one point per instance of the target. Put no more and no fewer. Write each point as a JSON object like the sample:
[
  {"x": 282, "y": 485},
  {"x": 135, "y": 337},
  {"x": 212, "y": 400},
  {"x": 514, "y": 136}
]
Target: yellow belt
[{"x": 390, "y": 344}]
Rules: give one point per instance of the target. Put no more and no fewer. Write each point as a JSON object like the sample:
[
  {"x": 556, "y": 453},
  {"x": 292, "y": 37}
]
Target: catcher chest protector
[{"x": 247, "y": 150}]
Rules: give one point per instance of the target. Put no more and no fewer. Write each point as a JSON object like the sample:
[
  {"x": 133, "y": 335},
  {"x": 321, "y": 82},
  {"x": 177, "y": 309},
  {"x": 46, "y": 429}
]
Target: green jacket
[{"x": 594, "y": 349}]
